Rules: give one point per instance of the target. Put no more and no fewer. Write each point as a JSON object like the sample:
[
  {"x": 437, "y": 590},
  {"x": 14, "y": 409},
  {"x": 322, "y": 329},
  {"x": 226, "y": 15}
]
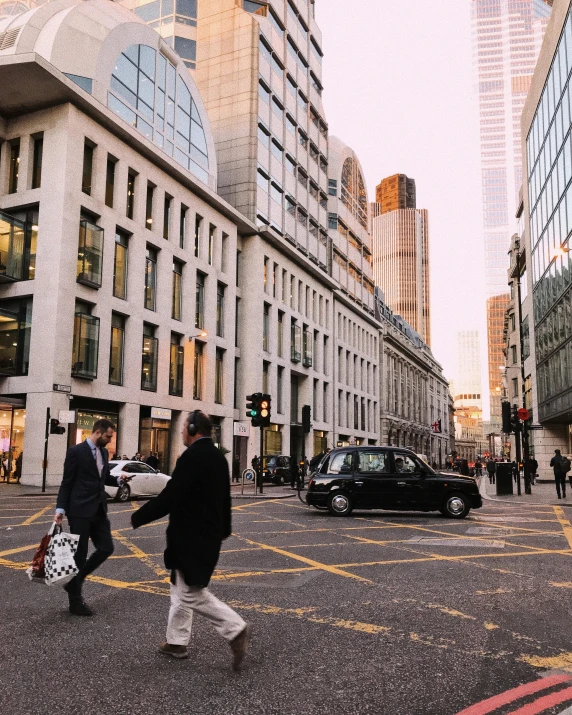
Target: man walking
[
  {"x": 491, "y": 469},
  {"x": 82, "y": 498},
  {"x": 532, "y": 469},
  {"x": 197, "y": 501},
  {"x": 558, "y": 464}
]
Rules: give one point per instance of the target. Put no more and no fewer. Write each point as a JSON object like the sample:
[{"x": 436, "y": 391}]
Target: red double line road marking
[
  {"x": 497, "y": 701},
  {"x": 542, "y": 704}
]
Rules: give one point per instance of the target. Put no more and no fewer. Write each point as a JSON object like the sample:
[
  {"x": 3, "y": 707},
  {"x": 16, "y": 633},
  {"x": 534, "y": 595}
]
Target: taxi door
[
  {"x": 374, "y": 480},
  {"x": 410, "y": 480}
]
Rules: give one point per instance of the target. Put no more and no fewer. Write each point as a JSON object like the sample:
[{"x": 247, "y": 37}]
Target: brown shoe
[
  {"x": 175, "y": 651},
  {"x": 239, "y": 646}
]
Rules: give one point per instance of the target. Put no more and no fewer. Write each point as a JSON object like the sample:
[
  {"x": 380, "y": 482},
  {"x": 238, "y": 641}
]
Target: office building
[
  {"x": 401, "y": 265},
  {"x": 506, "y": 41},
  {"x": 546, "y": 255},
  {"x": 396, "y": 192},
  {"x": 467, "y": 392}
]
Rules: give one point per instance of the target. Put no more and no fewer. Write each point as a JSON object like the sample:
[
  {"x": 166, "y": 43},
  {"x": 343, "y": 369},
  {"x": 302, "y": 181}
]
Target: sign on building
[
  {"x": 242, "y": 429},
  {"x": 67, "y": 417},
  {"x": 158, "y": 413}
]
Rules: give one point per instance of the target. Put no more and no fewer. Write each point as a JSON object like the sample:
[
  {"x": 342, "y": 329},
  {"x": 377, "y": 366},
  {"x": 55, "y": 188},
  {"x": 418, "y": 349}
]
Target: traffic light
[
  {"x": 306, "y": 419},
  {"x": 507, "y": 426},
  {"x": 55, "y": 427},
  {"x": 259, "y": 409}
]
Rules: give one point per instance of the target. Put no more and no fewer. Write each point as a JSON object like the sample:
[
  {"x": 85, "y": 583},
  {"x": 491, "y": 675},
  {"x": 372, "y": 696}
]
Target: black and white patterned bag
[{"x": 59, "y": 563}]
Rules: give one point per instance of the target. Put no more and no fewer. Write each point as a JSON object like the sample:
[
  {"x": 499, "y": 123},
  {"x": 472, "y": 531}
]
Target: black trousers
[
  {"x": 98, "y": 529},
  {"x": 492, "y": 477},
  {"x": 560, "y": 480}
]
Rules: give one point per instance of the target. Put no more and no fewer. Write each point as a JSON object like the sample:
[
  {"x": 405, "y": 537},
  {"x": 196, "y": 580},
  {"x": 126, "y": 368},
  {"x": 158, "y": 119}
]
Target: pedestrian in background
[
  {"x": 83, "y": 499},
  {"x": 197, "y": 501},
  {"x": 294, "y": 472},
  {"x": 559, "y": 473},
  {"x": 152, "y": 460},
  {"x": 532, "y": 469},
  {"x": 491, "y": 469}
]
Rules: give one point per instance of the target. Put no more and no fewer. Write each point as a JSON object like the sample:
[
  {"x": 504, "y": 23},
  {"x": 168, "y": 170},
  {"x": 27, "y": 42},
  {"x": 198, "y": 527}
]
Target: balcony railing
[
  {"x": 15, "y": 238},
  {"x": 85, "y": 346}
]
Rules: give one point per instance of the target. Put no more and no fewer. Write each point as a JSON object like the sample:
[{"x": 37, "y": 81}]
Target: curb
[
  {"x": 484, "y": 495},
  {"x": 262, "y": 497}
]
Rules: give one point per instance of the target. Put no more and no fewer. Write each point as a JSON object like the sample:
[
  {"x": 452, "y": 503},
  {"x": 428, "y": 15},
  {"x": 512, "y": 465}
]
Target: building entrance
[
  {"x": 12, "y": 424},
  {"x": 155, "y": 439}
]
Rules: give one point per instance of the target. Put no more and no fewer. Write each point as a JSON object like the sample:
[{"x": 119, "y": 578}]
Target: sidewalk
[{"x": 542, "y": 494}]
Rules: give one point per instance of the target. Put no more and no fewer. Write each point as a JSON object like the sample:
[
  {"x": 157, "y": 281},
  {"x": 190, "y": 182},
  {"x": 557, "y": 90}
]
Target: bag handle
[{"x": 53, "y": 528}]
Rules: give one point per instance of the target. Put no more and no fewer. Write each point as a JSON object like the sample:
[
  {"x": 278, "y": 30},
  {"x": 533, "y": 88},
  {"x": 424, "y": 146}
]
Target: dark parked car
[
  {"x": 276, "y": 469},
  {"x": 388, "y": 478}
]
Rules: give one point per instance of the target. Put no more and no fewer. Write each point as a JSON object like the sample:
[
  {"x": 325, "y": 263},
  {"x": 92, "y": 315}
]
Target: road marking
[
  {"x": 141, "y": 555},
  {"x": 472, "y": 543},
  {"x": 18, "y": 550},
  {"x": 565, "y": 524},
  {"x": 310, "y": 562},
  {"x": 451, "y": 611},
  {"x": 37, "y": 515},
  {"x": 497, "y": 701},
  {"x": 562, "y": 661},
  {"x": 542, "y": 704}
]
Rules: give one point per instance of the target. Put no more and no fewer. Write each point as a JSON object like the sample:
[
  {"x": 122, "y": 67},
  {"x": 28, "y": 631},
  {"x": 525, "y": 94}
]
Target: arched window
[
  {"x": 147, "y": 92},
  {"x": 353, "y": 190}
]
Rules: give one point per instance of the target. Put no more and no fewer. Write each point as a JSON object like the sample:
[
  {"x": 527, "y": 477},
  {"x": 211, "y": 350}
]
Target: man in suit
[
  {"x": 197, "y": 500},
  {"x": 82, "y": 498}
]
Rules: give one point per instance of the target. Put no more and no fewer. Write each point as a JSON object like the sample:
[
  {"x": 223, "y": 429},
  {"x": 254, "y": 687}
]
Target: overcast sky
[{"x": 398, "y": 90}]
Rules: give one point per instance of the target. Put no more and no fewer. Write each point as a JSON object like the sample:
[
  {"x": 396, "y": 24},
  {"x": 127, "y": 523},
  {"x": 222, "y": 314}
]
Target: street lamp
[{"x": 201, "y": 334}]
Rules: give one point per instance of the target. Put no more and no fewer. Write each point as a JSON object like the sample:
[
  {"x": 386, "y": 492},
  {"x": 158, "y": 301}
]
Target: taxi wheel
[
  {"x": 340, "y": 504},
  {"x": 455, "y": 506},
  {"x": 123, "y": 493}
]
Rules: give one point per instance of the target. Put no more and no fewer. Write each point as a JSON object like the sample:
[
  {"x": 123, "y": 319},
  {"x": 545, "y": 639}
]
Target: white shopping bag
[{"x": 59, "y": 563}]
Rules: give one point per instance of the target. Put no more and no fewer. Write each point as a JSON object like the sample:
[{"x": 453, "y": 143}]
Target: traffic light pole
[
  {"x": 517, "y": 430},
  {"x": 45, "y": 462},
  {"x": 261, "y": 462}
]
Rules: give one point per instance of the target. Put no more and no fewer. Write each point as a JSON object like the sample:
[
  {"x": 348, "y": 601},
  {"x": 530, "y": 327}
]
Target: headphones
[{"x": 192, "y": 426}]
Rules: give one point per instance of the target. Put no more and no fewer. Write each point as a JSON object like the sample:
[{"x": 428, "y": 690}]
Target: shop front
[
  {"x": 88, "y": 412},
  {"x": 12, "y": 425},
  {"x": 155, "y": 435},
  {"x": 320, "y": 442}
]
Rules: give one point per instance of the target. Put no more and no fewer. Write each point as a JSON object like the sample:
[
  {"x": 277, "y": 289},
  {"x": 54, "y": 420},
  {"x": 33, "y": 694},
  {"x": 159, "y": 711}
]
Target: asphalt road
[{"x": 382, "y": 612}]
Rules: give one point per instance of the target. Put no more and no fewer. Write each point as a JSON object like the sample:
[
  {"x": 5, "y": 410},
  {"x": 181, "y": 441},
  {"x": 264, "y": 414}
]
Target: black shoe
[
  {"x": 79, "y": 608},
  {"x": 73, "y": 588}
]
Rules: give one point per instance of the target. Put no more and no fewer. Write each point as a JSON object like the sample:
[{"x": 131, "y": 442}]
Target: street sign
[
  {"x": 67, "y": 416},
  {"x": 62, "y": 388},
  {"x": 523, "y": 414},
  {"x": 535, "y": 427},
  {"x": 248, "y": 475},
  {"x": 242, "y": 429}
]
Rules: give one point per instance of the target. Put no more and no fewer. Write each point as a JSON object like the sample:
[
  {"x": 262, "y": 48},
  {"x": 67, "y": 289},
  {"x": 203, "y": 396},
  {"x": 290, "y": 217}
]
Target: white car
[{"x": 145, "y": 481}]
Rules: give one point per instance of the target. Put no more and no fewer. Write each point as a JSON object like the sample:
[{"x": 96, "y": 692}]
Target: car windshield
[{"x": 112, "y": 465}]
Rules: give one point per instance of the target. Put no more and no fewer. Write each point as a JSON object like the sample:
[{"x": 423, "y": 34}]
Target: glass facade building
[{"x": 549, "y": 159}]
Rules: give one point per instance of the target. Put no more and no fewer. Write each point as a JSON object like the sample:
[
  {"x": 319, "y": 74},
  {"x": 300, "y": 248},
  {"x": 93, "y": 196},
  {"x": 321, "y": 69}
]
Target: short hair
[
  {"x": 202, "y": 422},
  {"x": 103, "y": 425},
  {"x": 556, "y": 451}
]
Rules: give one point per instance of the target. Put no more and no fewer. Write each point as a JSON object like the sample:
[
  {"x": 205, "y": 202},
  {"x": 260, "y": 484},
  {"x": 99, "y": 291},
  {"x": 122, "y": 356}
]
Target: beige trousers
[{"x": 187, "y": 599}]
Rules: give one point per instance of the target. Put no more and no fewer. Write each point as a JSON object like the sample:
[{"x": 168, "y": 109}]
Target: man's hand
[
  {"x": 124, "y": 478},
  {"x": 58, "y": 518}
]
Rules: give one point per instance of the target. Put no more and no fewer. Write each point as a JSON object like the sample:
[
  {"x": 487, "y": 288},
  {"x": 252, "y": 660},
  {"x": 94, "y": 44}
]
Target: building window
[
  {"x": 220, "y": 310},
  {"x": 116, "y": 349},
  {"x": 280, "y": 337},
  {"x": 200, "y": 301},
  {"x": 150, "y": 278},
  {"x": 212, "y": 232},
  {"x": 183, "y": 226},
  {"x": 149, "y": 359},
  {"x": 90, "y": 254},
  {"x": 279, "y": 390},
  {"x": 177, "y": 296},
  {"x": 130, "y": 194},
  {"x": 167, "y": 216},
  {"x": 308, "y": 349},
  {"x": 109, "y": 182},
  {"x": 176, "y": 367},
  {"x": 14, "y": 167},
  {"x": 198, "y": 229},
  {"x": 37, "y": 162},
  {"x": 265, "y": 376},
  {"x": 515, "y": 386},
  {"x": 15, "y": 330},
  {"x": 296, "y": 343},
  {"x": 85, "y": 343},
  {"x": 198, "y": 371},
  {"x": 266, "y": 328},
  {"x": 224, "y": 253},
  {"x": 120, "y": 265},
  {"x": 219, "y": 376},
  {"x": 87, "y": 172},
  {"x": 17, "y": 247},
  {"x": 235, "y": 392},
  {"x": 325, "y": 403},
  {"x": 513, "y": 354},
  {"x": 149, "y": 206}
]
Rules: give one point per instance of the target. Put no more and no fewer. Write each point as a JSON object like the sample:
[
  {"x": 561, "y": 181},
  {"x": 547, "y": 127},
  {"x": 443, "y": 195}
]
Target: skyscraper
[
  {"x": 396, "y": 192},
  {"x": 401, "y": 265},
  {"x": 507, "y": 35},
  {"x": 468, "y": 372}
]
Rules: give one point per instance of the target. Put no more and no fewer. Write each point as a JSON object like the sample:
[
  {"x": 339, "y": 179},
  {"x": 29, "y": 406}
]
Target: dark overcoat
[{"x": 197, "y": 501}]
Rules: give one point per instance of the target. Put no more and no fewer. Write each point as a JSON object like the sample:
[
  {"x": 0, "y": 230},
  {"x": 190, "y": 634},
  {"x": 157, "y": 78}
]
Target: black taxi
[{"x": 388, "y": 478}]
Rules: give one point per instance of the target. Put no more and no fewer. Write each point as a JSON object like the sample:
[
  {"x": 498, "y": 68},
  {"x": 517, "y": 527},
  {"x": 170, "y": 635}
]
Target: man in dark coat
[
  {"x": 82, "y": 498},
  {"x": 559, "y": 473},
  {"x": 197, "y": 501},
  {"x": 491, "y": 469},
  {"x": 152, "y": 461}
]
